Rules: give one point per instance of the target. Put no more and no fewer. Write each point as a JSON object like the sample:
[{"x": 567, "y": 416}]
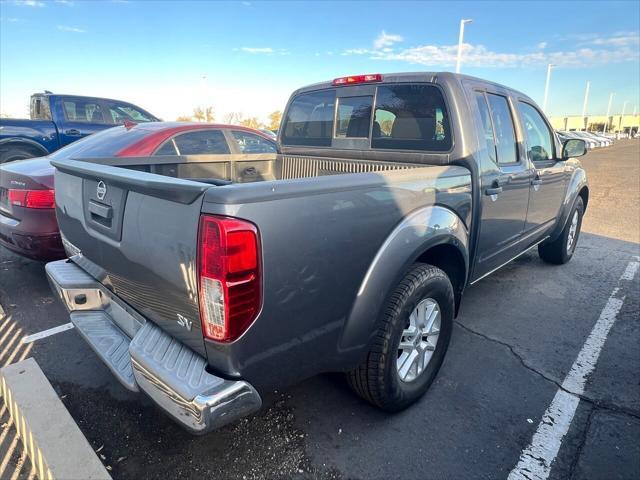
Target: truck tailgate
[{"x": 136, "y": 233}]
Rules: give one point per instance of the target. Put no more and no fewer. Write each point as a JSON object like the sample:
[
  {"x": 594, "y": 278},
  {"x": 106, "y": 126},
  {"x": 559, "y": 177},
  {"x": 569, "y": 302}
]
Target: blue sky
[{"x": 254, "y": 53}]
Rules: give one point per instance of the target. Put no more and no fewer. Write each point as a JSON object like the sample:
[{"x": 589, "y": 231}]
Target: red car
[{"x": 28, "y": 223}]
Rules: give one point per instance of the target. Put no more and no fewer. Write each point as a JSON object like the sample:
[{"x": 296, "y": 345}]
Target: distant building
[{"x": 615, "y": 123}]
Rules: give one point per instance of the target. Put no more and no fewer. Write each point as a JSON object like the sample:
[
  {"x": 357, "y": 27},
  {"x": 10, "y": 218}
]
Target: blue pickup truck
[{"x": 57, "y": 120}]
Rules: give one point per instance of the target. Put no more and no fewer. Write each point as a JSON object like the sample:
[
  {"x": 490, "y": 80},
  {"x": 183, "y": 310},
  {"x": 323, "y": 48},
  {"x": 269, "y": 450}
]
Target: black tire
[
  {"x": 18, "y": 152},
  {"x": 377, "y": 379},
  {"x": 556, "y": 252}
]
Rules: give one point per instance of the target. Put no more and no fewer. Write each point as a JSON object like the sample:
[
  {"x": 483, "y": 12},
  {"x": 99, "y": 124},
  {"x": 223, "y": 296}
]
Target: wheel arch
[
  {"x": 7, "y": 143},
  {"x": 434, "y": 235}
]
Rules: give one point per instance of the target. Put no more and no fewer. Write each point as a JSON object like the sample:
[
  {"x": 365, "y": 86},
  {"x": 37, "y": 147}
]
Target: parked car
[
  {"x": 590, "y": 143},
  {"x": 348, "y": 251},
  {"x": 587, "y": 136},
  {"x": 269, "y": 133},
  {"x": 27, "y": 217},
  {"x": 57, "y": 120}
]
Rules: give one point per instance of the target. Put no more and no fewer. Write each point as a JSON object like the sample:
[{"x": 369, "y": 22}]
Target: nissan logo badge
[{"x": 101, "y": 190}]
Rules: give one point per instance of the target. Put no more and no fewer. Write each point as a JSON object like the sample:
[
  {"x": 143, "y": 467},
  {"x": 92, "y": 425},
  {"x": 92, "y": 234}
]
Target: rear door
[
  {"x": 82, "y": 117},
  {"x": 505, "y": 181},
  {"x": 136, "y": 233}
]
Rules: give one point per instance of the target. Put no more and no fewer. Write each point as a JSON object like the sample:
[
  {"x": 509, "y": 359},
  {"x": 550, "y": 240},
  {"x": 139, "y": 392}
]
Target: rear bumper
[
  {"x": 39, "y": 246},
  {"x": 145, "y": 358}
]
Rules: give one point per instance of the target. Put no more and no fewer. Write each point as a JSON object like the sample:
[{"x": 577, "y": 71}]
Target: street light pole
[
  {"x": 460, "y": 39},
  {"x": 606, "y": 124},
  {"x": 584, "y": 104},
  {"x": 546, "y": 87}
]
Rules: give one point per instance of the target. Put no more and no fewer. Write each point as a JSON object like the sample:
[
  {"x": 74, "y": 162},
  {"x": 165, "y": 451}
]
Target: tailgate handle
[{"x": 103, "y": 211}]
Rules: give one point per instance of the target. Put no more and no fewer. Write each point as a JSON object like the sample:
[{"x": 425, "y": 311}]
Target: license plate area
[{"x": 103, "y": 206}]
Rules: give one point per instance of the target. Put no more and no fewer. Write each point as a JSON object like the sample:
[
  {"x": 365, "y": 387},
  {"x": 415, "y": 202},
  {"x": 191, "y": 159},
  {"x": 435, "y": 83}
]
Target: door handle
[
  {"x": 72, "y": 131},
  {"x": 493, "y": 191}
]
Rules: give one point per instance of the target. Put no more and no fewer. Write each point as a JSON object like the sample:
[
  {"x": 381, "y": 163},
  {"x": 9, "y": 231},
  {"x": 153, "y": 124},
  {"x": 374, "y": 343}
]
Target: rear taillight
[
  {"x": 32, "y": 198},
  {"x": 229, "y": 276}
]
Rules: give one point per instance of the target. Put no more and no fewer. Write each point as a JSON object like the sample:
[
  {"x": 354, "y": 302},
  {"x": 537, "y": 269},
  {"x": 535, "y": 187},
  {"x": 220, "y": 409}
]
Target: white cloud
[
  {"x": 617, "y": 40},
  {"x": 29, "y": 3},
  {"x": 66, "y": 28},
  {"x": 257, "y": 49},
  {"x": 541, "y": 45},
  {"x": 13, "y": 19},
  {"x": 68, "y": 3},
  {"x": 386, "y": 40}
]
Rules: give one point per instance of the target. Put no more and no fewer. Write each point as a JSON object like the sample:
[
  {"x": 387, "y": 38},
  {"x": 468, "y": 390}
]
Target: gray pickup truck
[{"x": 205, "y": 281}]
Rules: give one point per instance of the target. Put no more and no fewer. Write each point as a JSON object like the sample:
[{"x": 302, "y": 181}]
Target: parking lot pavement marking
[
  {"x": 47, "y": 333},
  {"x": 536, "y": 460}
]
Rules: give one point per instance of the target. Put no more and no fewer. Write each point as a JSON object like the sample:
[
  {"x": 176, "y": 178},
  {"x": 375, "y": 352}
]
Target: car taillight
[
  {"x": 32, "y": 198},
  {"x": 372, "y": 77},
  {"x": 229, "y": 276}
]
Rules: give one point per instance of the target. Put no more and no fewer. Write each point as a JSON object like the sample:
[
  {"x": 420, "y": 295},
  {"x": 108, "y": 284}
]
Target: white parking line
[
  {"x": 535, "y": 461},
  {"x": 47, "y": 333}
]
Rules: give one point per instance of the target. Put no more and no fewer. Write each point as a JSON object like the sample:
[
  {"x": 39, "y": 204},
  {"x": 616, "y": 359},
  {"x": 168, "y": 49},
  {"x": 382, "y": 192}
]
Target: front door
[
  {"x": 505, "y": 181},
  {"x": 83, "y": 116},
  {"x": 548, "y": 185}
]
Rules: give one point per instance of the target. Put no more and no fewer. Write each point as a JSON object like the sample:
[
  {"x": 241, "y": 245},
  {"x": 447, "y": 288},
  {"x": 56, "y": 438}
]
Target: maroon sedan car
[{"x": 28, "y": 223}]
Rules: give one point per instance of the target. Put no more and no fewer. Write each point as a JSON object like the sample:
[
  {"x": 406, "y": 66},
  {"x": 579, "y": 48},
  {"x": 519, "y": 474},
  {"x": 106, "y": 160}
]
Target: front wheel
[
  {"x": 411, "y": 341},
  {"x": 562, "y": 248}
]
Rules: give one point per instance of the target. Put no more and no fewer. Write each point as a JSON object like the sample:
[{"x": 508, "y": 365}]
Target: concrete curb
[{"x": 54, "y": 443}]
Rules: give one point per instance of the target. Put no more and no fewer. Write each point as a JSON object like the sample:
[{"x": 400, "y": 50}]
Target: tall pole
[
  {"x": 584, "y": 104},
  {"x": 546, "y": 87},
  {"x": 460, "y": 40},
  {"x": 608, "y": 112},
  {"x": 624, "y": 107}
]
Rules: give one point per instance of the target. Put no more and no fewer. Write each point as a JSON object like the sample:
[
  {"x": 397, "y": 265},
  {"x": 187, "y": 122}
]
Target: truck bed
[{"x": 238, "y": 168}]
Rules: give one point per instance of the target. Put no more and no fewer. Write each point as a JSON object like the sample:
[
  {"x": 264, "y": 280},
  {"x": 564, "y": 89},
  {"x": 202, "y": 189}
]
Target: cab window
[
  {"x": 354, "y": 117},
  {"x": 80, "y": 110},
  {"x": 503, "y": 129},
  {"x": 539, "y": 140},
  {"x": 487, "y": 126},
  {"x": 309, "y": 120}
]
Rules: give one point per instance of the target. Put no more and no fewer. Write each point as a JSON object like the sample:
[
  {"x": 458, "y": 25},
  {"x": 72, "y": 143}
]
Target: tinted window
[
  {"x": 79, "y": 110},
  {"x": 119, "y": 112},
  {"x": 167, "y": 148},
  {"x": 309, "y": 119},
  {"x": 354, "y": 117},
  {"x": 411, "y": 117},
  {"x": 203, "y": 142},
  {"x": 487, "y": 127},
  {"x": 251, "y": 143},
  {"x": 503, "y": 128},
  {"x": 106, "y": 143},
  {"x": 539, "y": 142}
]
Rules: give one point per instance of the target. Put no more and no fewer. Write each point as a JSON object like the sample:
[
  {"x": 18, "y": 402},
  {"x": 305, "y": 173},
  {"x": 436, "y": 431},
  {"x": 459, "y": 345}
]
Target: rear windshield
[
  {"x": 405, "y": 117},
  {"x": 106, "y": 143}
]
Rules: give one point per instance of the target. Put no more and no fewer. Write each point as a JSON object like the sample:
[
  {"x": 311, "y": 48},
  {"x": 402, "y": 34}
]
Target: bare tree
[
  {"x": 198, "y": 114},
  {"x": 184, "y": 118},
  {"x": 233, "y": 118}
]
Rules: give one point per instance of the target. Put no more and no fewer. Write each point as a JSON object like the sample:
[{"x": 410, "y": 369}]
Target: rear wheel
[
  {"x": 562, "y": 248},
  {"x": 18, "y": 152},
  {"x": 411, "y": 341}
]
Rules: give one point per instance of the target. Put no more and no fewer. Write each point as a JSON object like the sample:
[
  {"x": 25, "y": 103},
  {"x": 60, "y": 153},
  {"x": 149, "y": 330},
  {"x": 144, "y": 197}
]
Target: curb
[{"x": 54, "y": 443}]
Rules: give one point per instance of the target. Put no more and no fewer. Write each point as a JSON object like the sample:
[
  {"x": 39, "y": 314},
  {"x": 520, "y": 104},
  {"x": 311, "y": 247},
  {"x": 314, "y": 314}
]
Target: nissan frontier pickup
[{"x": 206, "y": 282}]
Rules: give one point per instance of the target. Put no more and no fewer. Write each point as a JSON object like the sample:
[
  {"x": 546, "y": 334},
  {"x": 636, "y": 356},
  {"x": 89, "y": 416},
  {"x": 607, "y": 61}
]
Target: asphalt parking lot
[{"x": 515, "y": 341}]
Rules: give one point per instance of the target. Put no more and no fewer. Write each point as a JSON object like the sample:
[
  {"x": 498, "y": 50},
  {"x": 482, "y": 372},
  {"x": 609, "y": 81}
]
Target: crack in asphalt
[
  {"x": 583, "y": 441},
  {"x": 592, "y": 401}
]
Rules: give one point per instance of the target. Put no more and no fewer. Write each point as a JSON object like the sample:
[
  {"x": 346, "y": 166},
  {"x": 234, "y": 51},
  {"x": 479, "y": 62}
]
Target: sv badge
[{"x": 184, "y": 322}]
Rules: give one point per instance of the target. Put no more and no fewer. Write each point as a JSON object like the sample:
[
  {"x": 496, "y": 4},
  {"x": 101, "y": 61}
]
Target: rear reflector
[
  {"x": 373, "y": 77},
  {"x": 32, "y": 198},
  {"x": 229, "y": 276}
]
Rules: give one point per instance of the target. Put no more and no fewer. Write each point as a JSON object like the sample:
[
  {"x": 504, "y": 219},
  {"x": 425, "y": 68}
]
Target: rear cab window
[
  {"x": 409, "y": 117},
  {"x": 83, "y": 110}
]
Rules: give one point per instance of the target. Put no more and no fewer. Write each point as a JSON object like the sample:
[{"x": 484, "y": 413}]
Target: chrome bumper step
[
  {"x": 109, "y": 343},
  {"x": 143, "y": 357}
]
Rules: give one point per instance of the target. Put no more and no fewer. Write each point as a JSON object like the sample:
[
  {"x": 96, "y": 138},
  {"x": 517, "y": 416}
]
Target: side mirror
[{"x": 574, "y": 147}]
